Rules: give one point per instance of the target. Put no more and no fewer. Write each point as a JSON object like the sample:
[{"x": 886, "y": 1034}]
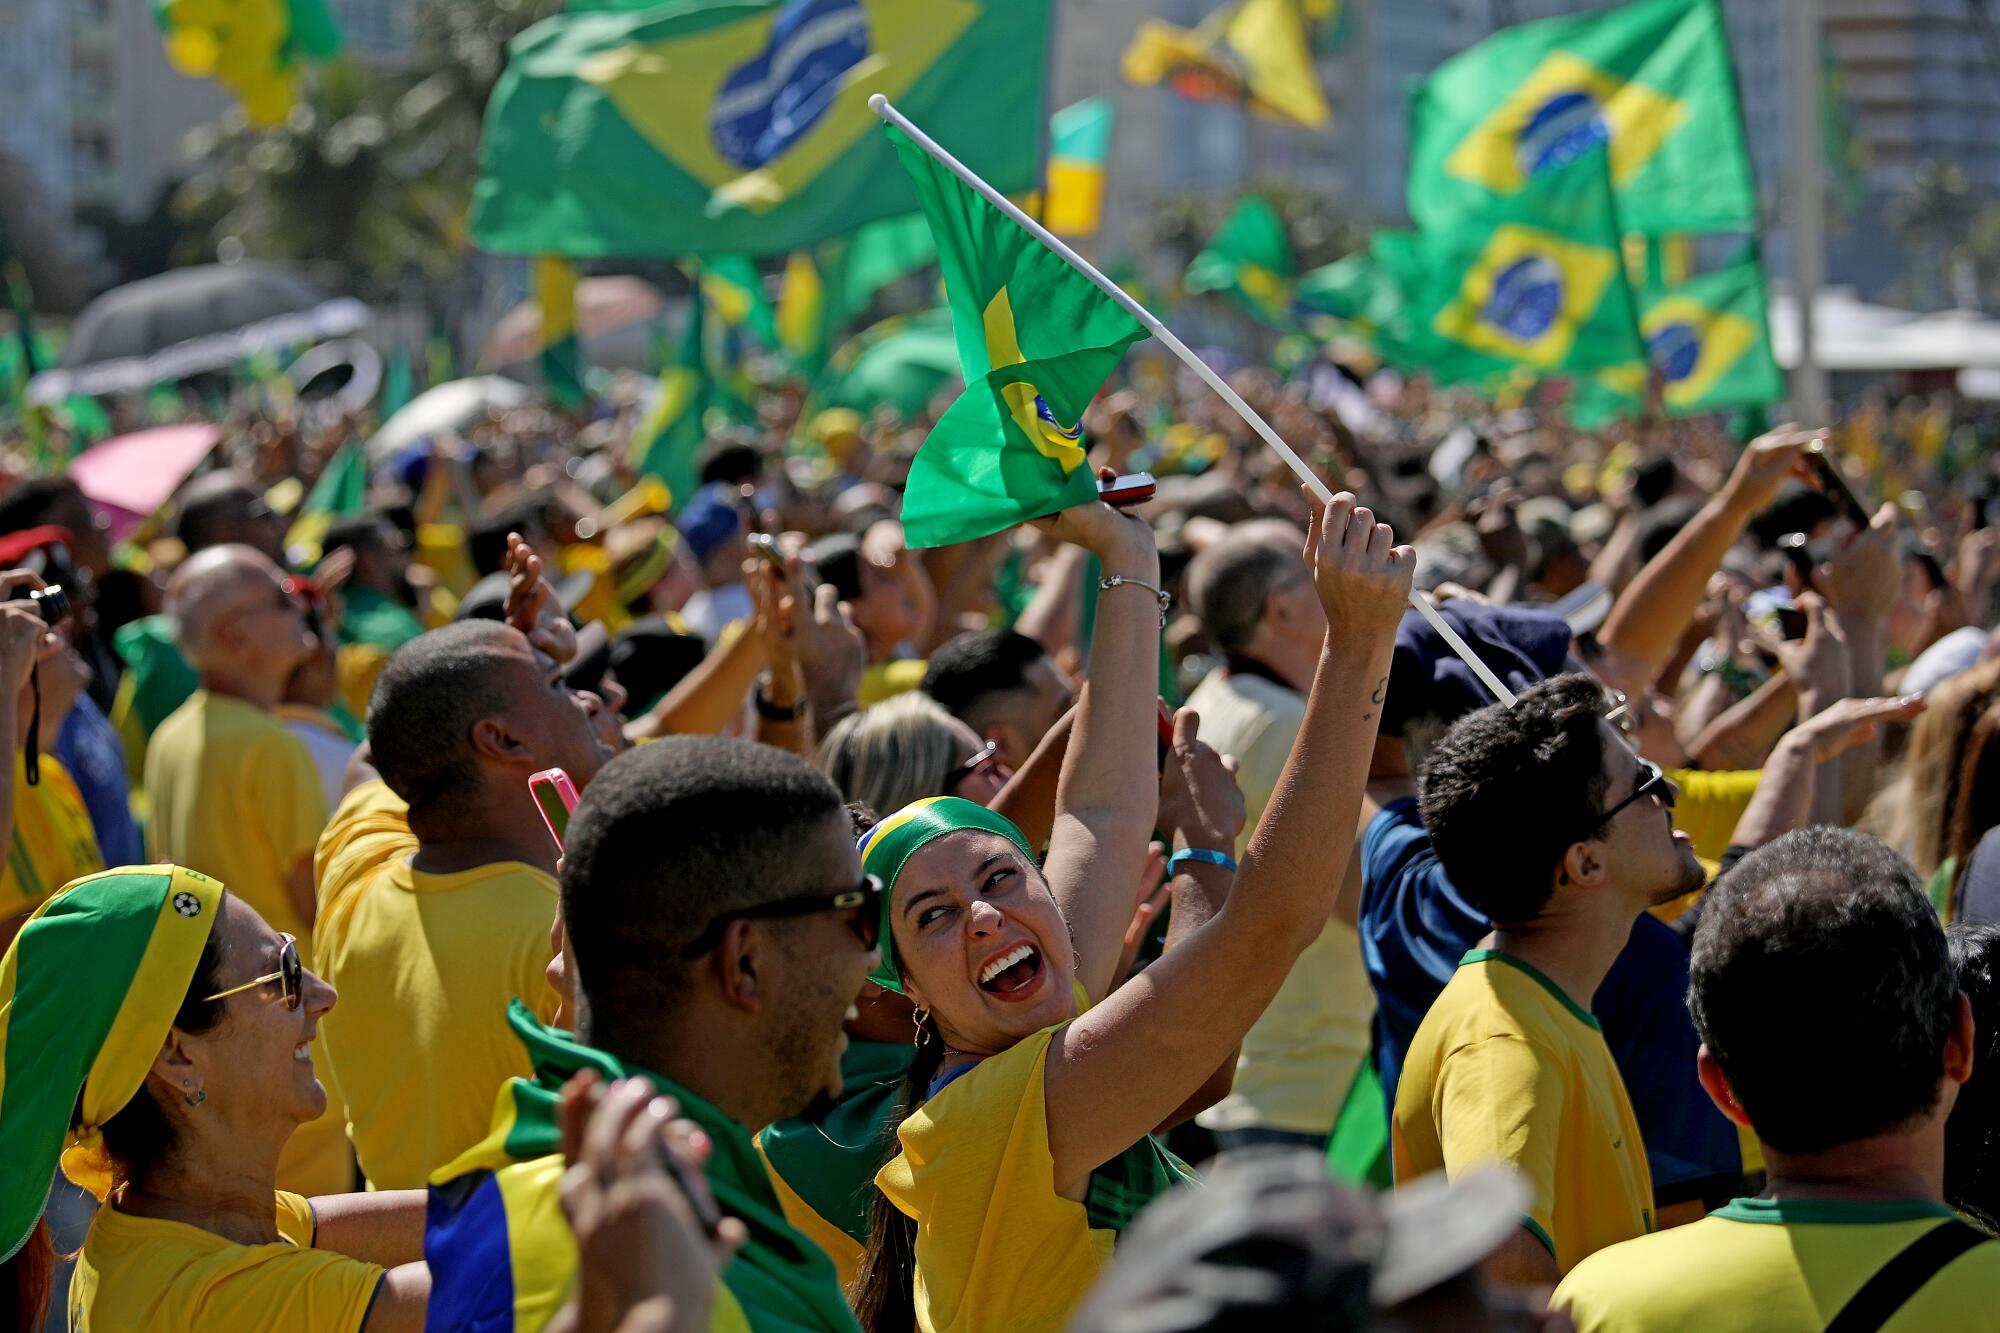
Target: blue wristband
[{"x": 1204, "y": 856}]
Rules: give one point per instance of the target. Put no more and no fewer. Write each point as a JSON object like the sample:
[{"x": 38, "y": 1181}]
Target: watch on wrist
[{"x": 771, "y": 712}]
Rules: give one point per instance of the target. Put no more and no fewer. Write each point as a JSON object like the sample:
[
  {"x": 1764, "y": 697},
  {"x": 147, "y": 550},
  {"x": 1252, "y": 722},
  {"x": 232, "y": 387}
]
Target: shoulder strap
[{"x": 1904, "y": 1276}]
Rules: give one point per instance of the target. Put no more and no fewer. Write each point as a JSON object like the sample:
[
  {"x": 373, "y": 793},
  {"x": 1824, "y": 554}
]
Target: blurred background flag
[
  {"x": 732, "y": 285},
  {"x": 742, "y": 126},
  {"x": 1249, "y": 259},
  {"x": 560, "y": 354},
  {"x": 1254, "y": 53},
  {"x": 254, "y": 48},
  {"x": 1036, "y": 340},
  {"x": 1652, "y": 81},
  {"x": 1710, "y": 343},
  {"x": 341, "y": 492},
  {"x": 666, "y": 441},
  {"x": 1079, "y": 152}
]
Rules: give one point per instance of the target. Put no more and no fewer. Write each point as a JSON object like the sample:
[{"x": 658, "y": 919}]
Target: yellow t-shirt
[
  {"x": 1764, "y": 1266},
  {"x": 425, "y": 965},
  {"x": 997, "y": 1248},
  {"x": 1507, "y": 1068},
  {"x": 53, "y": 841},
  {"x": 235, "y": 795},
  {"x": 885, "y": 679},
  {"x": 1299, "y": 1059},
  {"x": 144, "y": 1273},
  {"x": 1710, "y": 805}
]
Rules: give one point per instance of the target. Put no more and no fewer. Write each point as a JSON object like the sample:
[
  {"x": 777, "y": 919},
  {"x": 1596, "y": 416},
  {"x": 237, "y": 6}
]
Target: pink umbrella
[{"x": 130, "y": 476}]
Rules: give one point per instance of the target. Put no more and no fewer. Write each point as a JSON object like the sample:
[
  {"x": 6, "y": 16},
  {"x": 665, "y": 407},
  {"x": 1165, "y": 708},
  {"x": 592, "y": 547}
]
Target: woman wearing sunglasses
[
  {"x": 1027, "y": 1141},
  {"x": 156, "y": 1041}
]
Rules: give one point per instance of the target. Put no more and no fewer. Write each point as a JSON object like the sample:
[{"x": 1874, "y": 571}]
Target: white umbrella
[{"x": 451, "y": 406}]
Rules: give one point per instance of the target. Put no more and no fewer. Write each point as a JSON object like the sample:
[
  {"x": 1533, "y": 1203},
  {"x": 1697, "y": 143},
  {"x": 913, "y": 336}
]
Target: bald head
[{"x": 212, "y": 591}]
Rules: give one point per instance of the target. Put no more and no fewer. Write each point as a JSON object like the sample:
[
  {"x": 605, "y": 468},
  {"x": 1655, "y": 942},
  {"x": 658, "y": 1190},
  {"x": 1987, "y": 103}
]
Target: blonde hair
[
  {"x": 1939, "y": 742},
  {"x": 899, "y": 751}
]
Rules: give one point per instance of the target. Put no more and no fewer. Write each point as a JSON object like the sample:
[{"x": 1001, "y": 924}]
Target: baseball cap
[
  {"x": 709, "y": 519},
  {"x": 1521, "y": 644},
  {"x": 1271, "y": 1239}
]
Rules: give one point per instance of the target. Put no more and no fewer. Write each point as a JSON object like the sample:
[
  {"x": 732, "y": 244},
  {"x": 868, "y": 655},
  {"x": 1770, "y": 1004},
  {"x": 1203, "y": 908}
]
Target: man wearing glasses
[
  {"x": 1559, "y": 834},
  {"x": 718, "y": 931}
]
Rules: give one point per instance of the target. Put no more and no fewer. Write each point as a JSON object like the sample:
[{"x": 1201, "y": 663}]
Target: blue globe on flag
[
  {"x": 1071, "y": 433},
  {"x": 1675, "y": 350},
  {"x": 772, "y": 99},
  {"x": 1527, "y": 297},
  {"x": 1560, "y": 131}
]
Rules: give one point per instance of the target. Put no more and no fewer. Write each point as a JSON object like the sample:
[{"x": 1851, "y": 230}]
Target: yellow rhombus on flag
[{"x": 1527, "y": 294}]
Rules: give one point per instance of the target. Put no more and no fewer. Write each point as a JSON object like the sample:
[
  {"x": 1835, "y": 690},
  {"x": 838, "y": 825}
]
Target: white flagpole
[{"x": 881, "y": 106}]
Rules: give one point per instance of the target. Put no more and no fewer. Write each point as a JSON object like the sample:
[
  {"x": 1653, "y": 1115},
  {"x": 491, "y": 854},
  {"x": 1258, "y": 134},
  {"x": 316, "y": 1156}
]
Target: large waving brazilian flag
[
  {"x": 702, "y": 126},
  {"x": 1036, "y": 340},
  {"x": 1709, "y": 340},
  {"x": 1651, "y": 81}
]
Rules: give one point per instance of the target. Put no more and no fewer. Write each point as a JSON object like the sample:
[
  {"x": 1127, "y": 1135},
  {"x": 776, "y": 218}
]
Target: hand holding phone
[
  {"x": 1133, "y": 488},
  {"x": 1835, "y": 486},
  {"x": 555, "y": 796}
]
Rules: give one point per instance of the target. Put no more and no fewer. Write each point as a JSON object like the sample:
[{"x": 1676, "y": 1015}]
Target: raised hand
[
  {"x": 1846, "y": 723},
  {"x": 1361, "y": 575},
  {"x": 1200, "y": 802},
  {"x": 531, "y": 606}
]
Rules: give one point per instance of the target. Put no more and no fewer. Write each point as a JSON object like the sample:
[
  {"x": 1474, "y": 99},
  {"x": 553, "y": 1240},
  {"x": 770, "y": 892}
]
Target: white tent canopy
[{"x": 1852, "y": 334}]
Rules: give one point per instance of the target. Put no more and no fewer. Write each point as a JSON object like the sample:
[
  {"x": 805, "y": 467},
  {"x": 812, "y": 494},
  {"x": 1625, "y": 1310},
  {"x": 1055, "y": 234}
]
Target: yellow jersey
[
  {"x": 425, "y": 965},
  {"x": 1777, "y": 1266},
  {"x": 53, "y": 842},
  {"x": 143, "y": 1272},
  {"x": 1507, "y": 1068},
  {"x": 235, "y": 795}
]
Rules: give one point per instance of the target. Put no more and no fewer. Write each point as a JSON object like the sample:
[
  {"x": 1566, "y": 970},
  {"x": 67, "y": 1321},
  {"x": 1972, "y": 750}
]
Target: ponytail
[
  {"x": 25, "y": 1279},
  {"x": 884, "y": 1293}
]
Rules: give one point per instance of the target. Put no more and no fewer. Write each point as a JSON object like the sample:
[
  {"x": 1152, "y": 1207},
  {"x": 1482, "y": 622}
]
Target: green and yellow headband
[
  {"x": 888, "y": 847},
  {"x": 88, "y": 991}
]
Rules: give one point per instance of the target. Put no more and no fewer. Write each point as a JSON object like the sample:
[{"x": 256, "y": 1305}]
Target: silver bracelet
[{"x": 1119, "y": 580}]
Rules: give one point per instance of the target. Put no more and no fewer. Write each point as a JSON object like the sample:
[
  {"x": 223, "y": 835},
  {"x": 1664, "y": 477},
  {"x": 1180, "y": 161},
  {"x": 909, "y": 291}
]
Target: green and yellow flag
[
  {"x": 560, "y": 354},
  {"x": 741, "y": 126},
  {"x": 1036, "y": 340},
  {"x": 1652, "y": 82},
  {"x": 254, "y": 48},
  {"x": 1079, "y": 153},
  {"x": 1251, "y": 53},
  {"x": 903, "y": 361},
  {"x": 1250, "y": 260},
  {"x": 1709, "y": 340},
  {"x": 341, "y": 492},
  {"x": 732, "y": 286},
  {"x": 670, "y": 436}
]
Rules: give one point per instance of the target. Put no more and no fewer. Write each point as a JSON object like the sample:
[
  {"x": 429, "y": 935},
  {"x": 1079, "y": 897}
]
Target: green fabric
[
  {"x": 904, "y": 361},
  {"x": 702, "y": 128},
  {"x": 1653, "y": 78},
  {"x": 830, "y": 1162},
  {"x": 888, "y": 847},
  {"x": 1855, "y": 1212},
  {"x": 345, "y": 722},
  {"x": 1035, "y": 342},
  {"x": 1541, "y": 979},
  {"x": 342, "y": 488},
  {"x": 1120, "y": 1189},
  {"x": 377, "y": 619},
  {"x": 1939, "y": 887},
  {"x": 1082, "y": 130},
  {"x": 732, "y": 285},
  {"x": 783, "y": 1281},
  {"x": 667, "y": 441},
  {"x": 162, "y": 680},
  {"x": 559, "y": 354},
  {"x": 1249, "y": 259},
  {"x": 1358, "y": 1151},
  {"x": 62, "y": 984},
  {"x": 398, "y": 383}
]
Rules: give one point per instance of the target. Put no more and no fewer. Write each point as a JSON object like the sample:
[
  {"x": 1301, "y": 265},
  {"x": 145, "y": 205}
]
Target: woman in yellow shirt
[
  {"x": 1036, "y": 1086},
  {"x": 155, "y": 1036}
]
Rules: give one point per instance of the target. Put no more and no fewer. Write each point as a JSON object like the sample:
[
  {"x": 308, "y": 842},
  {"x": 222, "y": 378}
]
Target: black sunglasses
[
  {"x": 1653, "y": 782},
  {"x": 981, "y": 758},
  {"x": 864, "y": 902},
  {"x": 290, "y": 976}
]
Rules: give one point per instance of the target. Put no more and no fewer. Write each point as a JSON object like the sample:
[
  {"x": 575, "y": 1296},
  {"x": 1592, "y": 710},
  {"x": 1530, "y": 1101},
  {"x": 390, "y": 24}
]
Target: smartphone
[
  {"x": 1834, "y": 485},
  {"x": 765, "y": 547},
  {"x": 555, "y": 796},
  {"x": 1791, "y": 623},
  {"x": 1133, "y": 488}
]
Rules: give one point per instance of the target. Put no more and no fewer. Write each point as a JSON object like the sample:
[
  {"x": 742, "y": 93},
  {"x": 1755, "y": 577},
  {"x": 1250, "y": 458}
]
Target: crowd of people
[{"x": 1137, "y": 920}]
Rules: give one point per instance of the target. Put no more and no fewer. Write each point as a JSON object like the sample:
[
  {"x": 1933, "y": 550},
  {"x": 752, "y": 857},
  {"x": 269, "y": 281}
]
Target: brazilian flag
[
  {"x": 1651, "y": 82},
  {"x": 671, "y": 434},
  {"x": 1036, "y": 340},
  {"x": 733, "y": 288},
  {"x": 1709, "y": 340},
  {"x": 741, "y": 126},
  {"x": 561, "y": 355},
  {"x": 1249, "y": 259}
]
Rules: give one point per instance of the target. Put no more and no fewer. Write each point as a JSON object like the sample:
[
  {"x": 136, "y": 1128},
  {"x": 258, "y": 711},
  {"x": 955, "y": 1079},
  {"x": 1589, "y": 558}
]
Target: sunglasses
[
  {"x": 291, "y": 976},
  {"x": 1652, "y": 782},
  {"x": 984, "y": 757},
  {"x": 863, "y": 903}
]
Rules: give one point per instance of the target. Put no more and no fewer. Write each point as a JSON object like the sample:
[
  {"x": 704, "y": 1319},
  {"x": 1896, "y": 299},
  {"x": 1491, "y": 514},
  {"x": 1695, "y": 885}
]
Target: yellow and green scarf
[
  {"x": 888, "y": 847},
  {"x": 88, "y": 991}
]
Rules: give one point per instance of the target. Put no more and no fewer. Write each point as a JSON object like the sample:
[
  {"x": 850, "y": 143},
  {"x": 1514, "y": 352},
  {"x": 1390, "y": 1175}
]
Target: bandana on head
[
  {"x": 888, "y": 847},
  {"x": 88, "y": 990}
]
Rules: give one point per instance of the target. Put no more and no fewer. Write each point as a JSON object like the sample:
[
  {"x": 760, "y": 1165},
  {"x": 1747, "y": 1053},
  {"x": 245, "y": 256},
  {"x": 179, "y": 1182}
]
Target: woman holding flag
[
  {"x": 1028, "y": 1141},
  {"x": 154, "y": 1034}
]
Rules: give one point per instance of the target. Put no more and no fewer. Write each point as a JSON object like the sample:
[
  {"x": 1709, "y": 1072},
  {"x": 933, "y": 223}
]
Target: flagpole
[{"x": 882, "y": 107}]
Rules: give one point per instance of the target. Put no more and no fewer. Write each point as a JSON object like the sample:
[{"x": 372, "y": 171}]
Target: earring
[
  {"x": 919, "y": 1017},
  {"x": 187, "y": 1083},
  {"x": 197, "y": 1097}
]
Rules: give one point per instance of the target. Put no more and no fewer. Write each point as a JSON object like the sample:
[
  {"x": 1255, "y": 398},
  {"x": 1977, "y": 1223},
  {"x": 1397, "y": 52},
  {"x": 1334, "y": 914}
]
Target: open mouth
[
  {"x": 1013, "y": 972},
  {"x": 303, "y": 1052}
]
